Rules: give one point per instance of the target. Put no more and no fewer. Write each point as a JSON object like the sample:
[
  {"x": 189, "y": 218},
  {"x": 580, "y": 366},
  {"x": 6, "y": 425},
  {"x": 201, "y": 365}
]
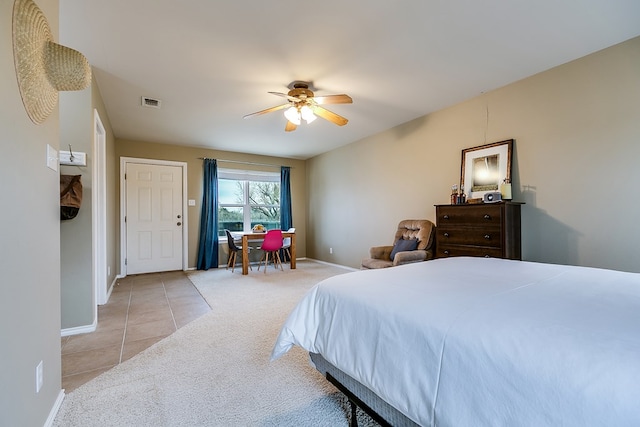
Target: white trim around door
[
  {"x": 99, "y": 212},
  {"x": 123, "y": 207}
]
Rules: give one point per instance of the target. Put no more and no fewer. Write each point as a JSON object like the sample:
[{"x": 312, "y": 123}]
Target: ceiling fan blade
[
  {"x": 333, "y": 99},
  {"x": 284, "y": 95},
  {"x": 329, "y": 115},
  {"x": 290, "y": 127},
  {"x": 268, "y": 110}
]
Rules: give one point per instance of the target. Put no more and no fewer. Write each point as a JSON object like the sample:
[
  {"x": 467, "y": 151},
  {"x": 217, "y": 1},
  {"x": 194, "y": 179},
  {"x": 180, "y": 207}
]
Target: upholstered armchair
[{"x": 414, "y": 241}]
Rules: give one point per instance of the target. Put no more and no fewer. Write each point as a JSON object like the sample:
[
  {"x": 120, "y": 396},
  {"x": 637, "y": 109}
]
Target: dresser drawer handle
[
  {"x": 445, "y": 217},
  {"x": 487, "y": 216},
  {"x": 487, "y": 237},
  {"x": 446, "y": 252},
  {"x": 487, "y": 256},
  {"x": 446, "y": 234}
]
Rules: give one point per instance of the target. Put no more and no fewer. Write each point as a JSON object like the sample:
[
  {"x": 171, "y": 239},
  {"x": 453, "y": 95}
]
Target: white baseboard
[
  {"x": 79, "y": 329},
  {"x": 89, "y": 328},
  {"x": 329, "y": 263},
  {"x": 113, "y": 283},
  {"x": 54, "y": 410}
]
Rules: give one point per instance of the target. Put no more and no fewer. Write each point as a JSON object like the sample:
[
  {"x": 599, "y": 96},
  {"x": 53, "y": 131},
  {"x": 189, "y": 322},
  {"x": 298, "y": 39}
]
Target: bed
[{"x": 475, "y": 341}]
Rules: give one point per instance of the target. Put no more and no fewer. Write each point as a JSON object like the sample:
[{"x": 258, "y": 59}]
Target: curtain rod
[{"x": 243, "y": 163}]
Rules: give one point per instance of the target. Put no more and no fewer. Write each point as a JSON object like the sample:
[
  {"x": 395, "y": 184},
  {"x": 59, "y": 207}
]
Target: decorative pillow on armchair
[{"x": 403, "y": 245}]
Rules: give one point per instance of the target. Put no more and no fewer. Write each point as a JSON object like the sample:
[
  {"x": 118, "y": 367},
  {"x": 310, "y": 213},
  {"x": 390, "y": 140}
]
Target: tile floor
[{"x": 142, "y": 310}]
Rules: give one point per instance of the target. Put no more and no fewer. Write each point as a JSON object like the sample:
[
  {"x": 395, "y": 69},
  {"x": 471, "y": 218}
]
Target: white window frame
[{"x": 245, "y": 176}]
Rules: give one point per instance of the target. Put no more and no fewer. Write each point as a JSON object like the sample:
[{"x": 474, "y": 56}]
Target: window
[{"x": 247, "y": 198}]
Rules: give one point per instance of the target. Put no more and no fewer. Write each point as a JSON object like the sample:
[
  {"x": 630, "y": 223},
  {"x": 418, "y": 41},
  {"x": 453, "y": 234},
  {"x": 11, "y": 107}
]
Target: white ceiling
[{"x": 212, "y": 62}]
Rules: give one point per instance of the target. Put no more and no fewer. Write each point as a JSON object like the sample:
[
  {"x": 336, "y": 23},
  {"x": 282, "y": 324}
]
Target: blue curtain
[
  {"x": 208, "y": 244},
  {"x": 286, "y": 219}
]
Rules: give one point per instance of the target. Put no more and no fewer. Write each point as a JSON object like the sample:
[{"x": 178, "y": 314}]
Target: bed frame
[{"x": 360, "y": 396}]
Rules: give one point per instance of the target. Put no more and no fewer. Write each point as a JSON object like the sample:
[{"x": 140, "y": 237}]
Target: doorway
[{"x": 153, "y": 222}]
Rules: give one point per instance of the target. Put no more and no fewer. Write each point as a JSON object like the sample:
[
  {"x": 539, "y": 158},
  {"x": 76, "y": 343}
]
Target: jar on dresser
[{"x": 482, "y": 230}]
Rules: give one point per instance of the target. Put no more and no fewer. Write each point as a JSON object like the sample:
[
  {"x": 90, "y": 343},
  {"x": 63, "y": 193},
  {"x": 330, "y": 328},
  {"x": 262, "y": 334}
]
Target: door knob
[
  {"x": 179, "y": 223},
  {"x": 179, "y": 216}
]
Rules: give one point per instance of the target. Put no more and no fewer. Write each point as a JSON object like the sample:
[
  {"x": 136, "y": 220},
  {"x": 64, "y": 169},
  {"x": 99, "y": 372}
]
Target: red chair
[{"x": 271, "y": 246}]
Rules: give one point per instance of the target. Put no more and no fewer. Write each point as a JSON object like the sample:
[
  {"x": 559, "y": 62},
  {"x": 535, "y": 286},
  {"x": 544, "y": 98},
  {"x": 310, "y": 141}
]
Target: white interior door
[{"x": 154, "y": 218}]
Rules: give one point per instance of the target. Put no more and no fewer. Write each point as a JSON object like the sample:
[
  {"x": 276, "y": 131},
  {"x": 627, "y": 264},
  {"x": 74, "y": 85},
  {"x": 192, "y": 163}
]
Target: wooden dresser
[{"x": 483, "y": 230}]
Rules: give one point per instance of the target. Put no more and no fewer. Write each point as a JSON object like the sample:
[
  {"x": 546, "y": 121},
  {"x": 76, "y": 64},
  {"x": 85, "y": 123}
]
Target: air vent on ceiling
[{"x": 150, "y": 102}]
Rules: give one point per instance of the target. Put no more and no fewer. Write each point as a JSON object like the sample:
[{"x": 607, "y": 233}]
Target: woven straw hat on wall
[{"x": 43, "y": 67}]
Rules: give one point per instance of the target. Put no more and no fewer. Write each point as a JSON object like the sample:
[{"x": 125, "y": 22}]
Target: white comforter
[{"x": 482, "y": 342}]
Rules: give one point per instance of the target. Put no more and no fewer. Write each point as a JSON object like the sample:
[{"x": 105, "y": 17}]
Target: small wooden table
[{"x": 258, "y": 236}]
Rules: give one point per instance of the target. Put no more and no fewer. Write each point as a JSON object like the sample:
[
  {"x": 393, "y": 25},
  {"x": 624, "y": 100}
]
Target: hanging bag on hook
[{"x": 70, "y": 196}]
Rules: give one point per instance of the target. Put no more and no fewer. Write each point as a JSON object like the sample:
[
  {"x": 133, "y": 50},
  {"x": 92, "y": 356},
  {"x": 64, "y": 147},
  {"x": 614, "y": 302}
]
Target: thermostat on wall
[{"x": 74, "y": 158}]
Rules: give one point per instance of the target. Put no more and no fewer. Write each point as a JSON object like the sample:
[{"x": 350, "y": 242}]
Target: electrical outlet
[
  {"x": 39, "y": 376},
  {"x": 330, "y": 250}
]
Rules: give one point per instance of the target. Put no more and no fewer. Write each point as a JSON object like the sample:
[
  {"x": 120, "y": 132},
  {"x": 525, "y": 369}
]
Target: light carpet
[{"x": 216, "y": 371}]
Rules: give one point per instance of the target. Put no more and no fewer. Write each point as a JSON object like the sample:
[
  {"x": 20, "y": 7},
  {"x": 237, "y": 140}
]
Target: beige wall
[
  {"x": 76, "y": 278},
  {"x": 577, "y": 144},
  {"x": 78, "y": 299},
  {"x": 193, "y": 157},
  {"x": 29, "y": 246}
]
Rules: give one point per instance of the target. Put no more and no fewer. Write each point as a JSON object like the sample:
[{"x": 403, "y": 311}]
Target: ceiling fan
[{"x": 303, "y": 105}]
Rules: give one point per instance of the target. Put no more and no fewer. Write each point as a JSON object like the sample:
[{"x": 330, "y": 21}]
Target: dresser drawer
[
  {"x": 481, "y": 215},
  {"x": 487, "y": 236},
  {"x": 444, "y": 251},
  {"x": 491, "y": 230}
]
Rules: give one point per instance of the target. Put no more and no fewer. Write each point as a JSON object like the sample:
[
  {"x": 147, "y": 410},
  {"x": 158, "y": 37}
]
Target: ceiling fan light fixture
[
  {"x": 293, "y": 115},
  {"x": 303, "y": 104},
  {"x": 307, "y": 114}
]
